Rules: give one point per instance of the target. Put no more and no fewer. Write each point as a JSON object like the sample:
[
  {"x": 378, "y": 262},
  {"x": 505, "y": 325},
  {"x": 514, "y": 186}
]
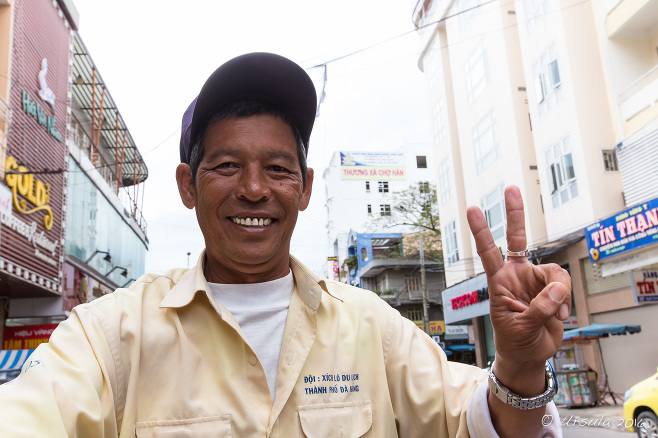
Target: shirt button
[{"x": 252, "y": 360}]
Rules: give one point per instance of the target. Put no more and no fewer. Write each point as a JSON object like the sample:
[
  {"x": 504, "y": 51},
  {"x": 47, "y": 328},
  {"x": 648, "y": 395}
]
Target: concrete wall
[{"x": 629, "y": 358}]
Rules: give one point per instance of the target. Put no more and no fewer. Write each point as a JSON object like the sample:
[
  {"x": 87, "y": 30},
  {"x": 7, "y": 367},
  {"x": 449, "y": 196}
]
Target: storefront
[
  {"x": 467, "y": 304},
  {"x": 31, "y": 250},
  {"x": 622, "y": 282}
]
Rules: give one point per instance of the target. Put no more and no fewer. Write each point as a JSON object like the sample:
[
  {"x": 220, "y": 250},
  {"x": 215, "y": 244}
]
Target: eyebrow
[{"x": 235, "y": 152}]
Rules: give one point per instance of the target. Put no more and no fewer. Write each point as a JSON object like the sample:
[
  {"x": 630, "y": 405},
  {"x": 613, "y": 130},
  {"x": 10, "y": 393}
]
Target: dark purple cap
[{"x": 260, "y": 77}]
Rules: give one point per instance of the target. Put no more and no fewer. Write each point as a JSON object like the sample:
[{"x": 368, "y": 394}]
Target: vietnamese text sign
[
  {"x": 645, "y": 285},
  {"x": 630, "y": 229},
  {"x": 372, "y": 166},
  {"x": 436, "y": 327},
  {"x": 26, "y": 337}
]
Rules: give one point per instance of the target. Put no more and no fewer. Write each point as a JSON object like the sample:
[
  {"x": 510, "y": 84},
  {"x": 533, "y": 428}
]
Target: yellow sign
[
  {"x": 34, "y": 190},
  {"x": 436, "y": 327}
]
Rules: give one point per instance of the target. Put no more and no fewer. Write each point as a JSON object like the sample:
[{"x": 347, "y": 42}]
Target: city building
[
  {"x": 72, "y": 229},
  {"x": 371, "y": 251},
  {"x": 556, "y": 97},
  {"x": 359, "y": 188}
]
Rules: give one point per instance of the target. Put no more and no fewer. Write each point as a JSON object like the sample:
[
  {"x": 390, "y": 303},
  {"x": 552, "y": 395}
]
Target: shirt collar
[{"x": 308, "y": 286}]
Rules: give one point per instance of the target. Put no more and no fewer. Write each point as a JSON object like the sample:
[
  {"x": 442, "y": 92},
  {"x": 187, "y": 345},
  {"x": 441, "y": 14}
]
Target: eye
[
  {"x": 226, "y": 165},
  {"x": 277, "y": 168}
]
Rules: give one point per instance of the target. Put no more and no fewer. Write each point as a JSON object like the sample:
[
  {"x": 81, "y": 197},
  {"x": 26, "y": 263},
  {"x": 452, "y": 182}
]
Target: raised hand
[{"x": 528, "y": 302}]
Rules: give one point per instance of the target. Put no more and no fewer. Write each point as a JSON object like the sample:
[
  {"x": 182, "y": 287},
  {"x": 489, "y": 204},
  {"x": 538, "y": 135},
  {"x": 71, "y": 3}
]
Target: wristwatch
[{"x": 515, "y": 400}]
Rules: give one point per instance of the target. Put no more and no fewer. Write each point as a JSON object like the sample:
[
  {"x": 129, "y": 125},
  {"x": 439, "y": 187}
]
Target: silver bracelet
[{"x": 515, "y": 400}]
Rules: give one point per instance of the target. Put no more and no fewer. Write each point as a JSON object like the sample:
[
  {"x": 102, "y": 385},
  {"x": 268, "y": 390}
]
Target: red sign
[
  {"x": 27, "y": 337},
  {"x": 477, "y": 296}
]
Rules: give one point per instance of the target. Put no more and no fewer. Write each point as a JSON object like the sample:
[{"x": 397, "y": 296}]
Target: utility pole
[
  {"x": 426, "y": 319},
  {"x": 426, "y": 323}
]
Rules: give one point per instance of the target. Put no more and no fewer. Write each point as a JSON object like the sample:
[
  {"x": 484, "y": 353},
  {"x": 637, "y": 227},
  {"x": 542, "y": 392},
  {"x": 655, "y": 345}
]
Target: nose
[{"x": 254, "y": 185}]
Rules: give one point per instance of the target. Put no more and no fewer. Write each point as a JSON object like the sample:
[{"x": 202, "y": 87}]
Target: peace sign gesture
[{"x": 528, "y": 302}]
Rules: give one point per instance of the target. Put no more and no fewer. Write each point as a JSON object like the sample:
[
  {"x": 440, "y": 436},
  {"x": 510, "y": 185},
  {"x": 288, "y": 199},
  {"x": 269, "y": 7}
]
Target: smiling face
[{"x": 247, "y": 193}]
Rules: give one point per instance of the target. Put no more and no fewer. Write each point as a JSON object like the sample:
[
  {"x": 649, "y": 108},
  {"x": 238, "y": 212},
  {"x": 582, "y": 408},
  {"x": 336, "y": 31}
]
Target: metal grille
[{"x": 639, "y": 168}]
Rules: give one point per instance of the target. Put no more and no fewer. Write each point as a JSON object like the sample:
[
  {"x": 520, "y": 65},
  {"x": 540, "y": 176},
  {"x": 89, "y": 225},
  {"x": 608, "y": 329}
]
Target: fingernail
[
  {"x": 563, "y": 312},
  {"x": 556, "y": 293}
]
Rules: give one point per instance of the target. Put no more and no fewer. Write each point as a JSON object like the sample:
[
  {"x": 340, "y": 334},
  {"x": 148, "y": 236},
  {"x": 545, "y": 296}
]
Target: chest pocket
[
  {"x": 342, "y": 420},
  {"x": 217, "y": 426}
]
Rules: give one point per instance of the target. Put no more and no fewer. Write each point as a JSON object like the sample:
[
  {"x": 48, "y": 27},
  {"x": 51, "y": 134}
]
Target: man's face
[{"x": 248, "y": 192}]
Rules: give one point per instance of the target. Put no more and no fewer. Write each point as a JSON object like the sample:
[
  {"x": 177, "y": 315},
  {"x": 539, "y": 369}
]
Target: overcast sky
[{"x": 154, "y": 57}]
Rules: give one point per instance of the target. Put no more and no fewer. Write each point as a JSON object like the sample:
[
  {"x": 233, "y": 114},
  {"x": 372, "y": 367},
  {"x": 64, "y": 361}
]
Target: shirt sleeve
[
  {"x": 66, "y": 387},
  {"x": 479, "y": 417},
  {"x": 429, "y": 395}
]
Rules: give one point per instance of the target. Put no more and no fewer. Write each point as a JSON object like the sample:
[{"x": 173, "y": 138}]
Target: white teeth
[{"x": 252, "y": 222}]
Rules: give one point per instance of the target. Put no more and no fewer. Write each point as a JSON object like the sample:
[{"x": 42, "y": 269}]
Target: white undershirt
[{"x": 261, "y": 310}]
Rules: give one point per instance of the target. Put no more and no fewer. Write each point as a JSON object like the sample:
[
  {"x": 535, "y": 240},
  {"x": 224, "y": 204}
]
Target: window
[
  {"x": 561, "y": 173},
  {"x": 610, "y": 160},
  {"x": 432, "y": 58},
  {"x": 385, "y": 210},
  {"x": 534, "y": 12},
  {"x": 451, "y": 253},
  {"x": 367, "y": 186},
  {"x": 439, "y": 121},
  {"x": 468, "y": 12},
  {"x": 383, "y": 186},
  {"x": 445, "y": 181},
  {"x": 412, "y": 283},
  {"x": 493, "y": 207},
  {"x": 424, "y": 187},
  {"x": 421, "y": 161},
  {"x": 485, "y": 142},
  {"x": 547, "y": 81},
  {"x": 476, "y": 72},
  {"x": 415, "y": 313},
  {"x": 369, "y": 210}
]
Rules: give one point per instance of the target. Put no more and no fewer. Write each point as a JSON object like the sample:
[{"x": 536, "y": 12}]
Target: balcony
[
  {"x": 638, "y": 101},
  {"x": 632, "y": 19},
  {"x": 101, "y": 165}
]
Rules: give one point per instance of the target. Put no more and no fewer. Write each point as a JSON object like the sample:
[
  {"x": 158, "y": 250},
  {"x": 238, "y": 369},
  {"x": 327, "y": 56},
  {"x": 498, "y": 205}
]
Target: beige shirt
[{"x": 164, "y": 359}]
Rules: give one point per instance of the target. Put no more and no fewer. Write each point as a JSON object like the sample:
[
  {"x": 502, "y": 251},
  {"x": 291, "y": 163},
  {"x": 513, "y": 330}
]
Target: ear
[
  {"x": 306, "y": 192},
  {"x": 186, "y": 185}
]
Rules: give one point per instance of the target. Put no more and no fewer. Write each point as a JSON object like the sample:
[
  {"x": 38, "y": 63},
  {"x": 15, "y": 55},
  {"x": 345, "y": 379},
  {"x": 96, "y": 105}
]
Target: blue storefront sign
[{"x": 627, "y": 230}]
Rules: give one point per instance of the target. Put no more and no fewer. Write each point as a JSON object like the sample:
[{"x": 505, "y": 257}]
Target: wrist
[
  {"x": 509, "y": 397},
  {"x": 526, "y": 379}
]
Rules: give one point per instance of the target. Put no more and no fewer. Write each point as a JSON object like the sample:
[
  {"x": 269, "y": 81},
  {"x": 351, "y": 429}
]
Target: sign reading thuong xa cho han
[{"x": 627, "y": 230}]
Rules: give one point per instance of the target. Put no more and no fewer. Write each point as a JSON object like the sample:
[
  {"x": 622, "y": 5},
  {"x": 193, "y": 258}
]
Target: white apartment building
[
  {"x": 545, "y": 95},
  {"x": 359, "y": 188}
]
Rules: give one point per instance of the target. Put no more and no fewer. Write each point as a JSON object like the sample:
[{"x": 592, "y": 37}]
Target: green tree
[{"x": 416, "y": 206}]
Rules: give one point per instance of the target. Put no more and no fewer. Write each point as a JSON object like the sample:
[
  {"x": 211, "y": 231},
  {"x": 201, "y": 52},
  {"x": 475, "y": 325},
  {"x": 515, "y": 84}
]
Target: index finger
[
  {"x": 516, "y": 236},
  {"x": 492, "y": 259}
]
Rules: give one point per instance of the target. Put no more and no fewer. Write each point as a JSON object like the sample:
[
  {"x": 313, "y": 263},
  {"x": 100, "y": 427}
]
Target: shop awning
[
  {"x": 461, "y": 347},
  {"x": 12, "y": 360},
  {"x": 92, "y": 98}
]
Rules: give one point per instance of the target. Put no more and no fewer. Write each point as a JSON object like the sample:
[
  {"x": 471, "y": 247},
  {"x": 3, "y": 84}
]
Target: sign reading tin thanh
[
  {"x": 372, "y": 166},
  {"x": 645, "y": 285},
  {"x": 627, "y": 230}
]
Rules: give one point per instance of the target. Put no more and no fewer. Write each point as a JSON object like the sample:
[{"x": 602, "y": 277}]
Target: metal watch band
[{"x": 515, "y": 400}]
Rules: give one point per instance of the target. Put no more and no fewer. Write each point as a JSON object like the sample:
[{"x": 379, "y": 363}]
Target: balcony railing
[
  {"x": 106, "y": 170},
  {"x": 640, "y": 95},
  {"x": 4, "y": 113}
]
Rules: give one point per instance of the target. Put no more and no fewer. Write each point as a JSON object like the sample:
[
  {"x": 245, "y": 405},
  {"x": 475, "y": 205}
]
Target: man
[{"x": 251, "y": 343}]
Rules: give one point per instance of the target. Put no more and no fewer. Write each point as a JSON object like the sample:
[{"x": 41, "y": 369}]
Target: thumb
[{"x": 553, "y": 300}]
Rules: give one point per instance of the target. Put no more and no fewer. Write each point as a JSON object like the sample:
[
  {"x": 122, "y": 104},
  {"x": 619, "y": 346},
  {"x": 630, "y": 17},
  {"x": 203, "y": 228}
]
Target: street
[{"x": 587, "y": 432}]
